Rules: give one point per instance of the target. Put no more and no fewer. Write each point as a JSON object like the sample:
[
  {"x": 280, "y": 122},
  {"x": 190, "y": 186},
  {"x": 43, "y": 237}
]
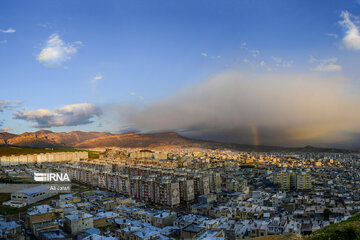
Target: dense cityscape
[{"x": 212, "y": 194}]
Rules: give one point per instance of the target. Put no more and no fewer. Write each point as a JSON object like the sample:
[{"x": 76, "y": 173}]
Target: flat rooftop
[{"x": 33, "y": 190}]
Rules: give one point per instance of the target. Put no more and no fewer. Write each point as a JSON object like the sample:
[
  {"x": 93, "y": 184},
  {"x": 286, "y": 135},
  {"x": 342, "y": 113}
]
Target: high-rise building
[
  {"x": 303, "y": 181},
  {"x": 292, "y": 180}
]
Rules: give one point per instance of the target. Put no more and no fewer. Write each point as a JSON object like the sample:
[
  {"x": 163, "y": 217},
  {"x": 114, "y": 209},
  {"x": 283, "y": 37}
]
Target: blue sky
[{"x": 116, "y": 55}]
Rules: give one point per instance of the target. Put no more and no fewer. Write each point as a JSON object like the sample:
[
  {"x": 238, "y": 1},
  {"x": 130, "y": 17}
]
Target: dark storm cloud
[{"x": 275, "y": 109}]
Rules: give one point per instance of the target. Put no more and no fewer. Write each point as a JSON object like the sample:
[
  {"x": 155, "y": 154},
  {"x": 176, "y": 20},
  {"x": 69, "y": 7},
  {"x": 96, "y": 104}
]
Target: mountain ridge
[{"x": 161, "y": 140}]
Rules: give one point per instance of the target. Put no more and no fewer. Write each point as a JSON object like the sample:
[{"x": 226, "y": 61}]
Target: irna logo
[{"x": 51, "y": 177}]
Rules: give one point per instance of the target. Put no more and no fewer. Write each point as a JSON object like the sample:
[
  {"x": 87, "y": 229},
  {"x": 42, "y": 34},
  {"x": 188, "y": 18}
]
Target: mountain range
[{"x": 160, "y": 141}]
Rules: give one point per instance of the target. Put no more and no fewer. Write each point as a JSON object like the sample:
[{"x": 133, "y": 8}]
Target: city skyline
[{"x": 256, "y": 72}]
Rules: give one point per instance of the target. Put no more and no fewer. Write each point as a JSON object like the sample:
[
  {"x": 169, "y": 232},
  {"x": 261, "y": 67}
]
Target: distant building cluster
[
  {"x": 148, "y": 155},
  {"x": 15, "y": 160},
  {"x": 134, "y": 158}
]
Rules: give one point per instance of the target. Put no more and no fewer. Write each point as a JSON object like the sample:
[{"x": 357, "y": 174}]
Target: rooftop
[{"x": 33, "y": 190}]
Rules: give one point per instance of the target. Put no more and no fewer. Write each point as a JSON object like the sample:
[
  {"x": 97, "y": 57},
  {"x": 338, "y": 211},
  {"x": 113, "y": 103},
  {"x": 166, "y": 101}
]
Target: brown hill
[
  {"x": 132, "y": 140},
  {"x": 52, "y": 139},
  {"x": 4, "y": 136},
  {"x": 77, "y": 139}
]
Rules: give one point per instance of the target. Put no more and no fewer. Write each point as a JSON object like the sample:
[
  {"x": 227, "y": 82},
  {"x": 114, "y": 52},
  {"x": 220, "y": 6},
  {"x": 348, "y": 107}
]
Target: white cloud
[
  {"x": 328, "y": 68},
  {"x": 44, "y": 25},
  {"x": 56, "y": 51},
  {"x": 351, "y": 39},
  {"x": 8, "y": 105},
  {"x": 69, "y": 115},
  {"x": 134, "y": 94},
  {"x": 255, "y": 53},
  {"x": 79, "y": 43},
  {"x": 287, "y": 64},
  {"x": 204, "y": 54},
  {"x": 95, "y": 81},
  {"x": 97, "y": 78},
  {"x": 333, "y": 35},
  {"x": 264, "y": 65},
  {"x": 325, "y": 65},
  {"x": 246, "y": 60},
  {"x": 279, "y": 62},
  {"x": 276, "y": 59},
  {"x": 4, "y": 104},
  {"x": 10, "y": 30},
  {"x": 5, "y": 129}
]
